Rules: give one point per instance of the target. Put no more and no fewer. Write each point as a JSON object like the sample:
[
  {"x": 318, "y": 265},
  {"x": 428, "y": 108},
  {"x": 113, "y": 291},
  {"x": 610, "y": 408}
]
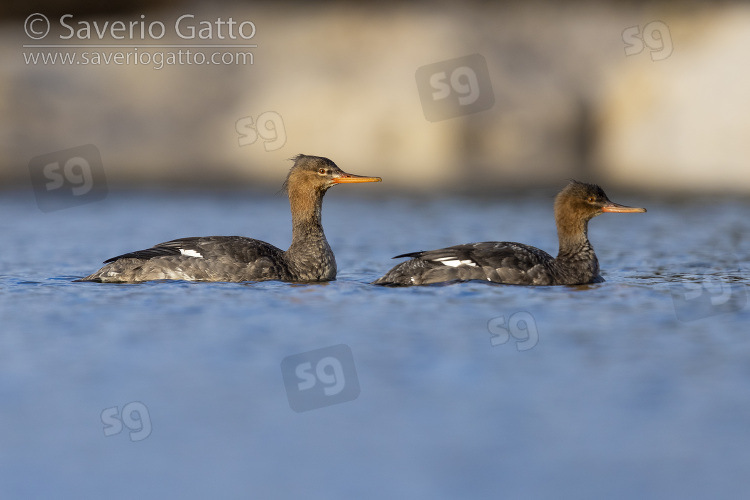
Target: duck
[
  {"x": 309, "y": 258},
  {"x": 515, "y": 263}
]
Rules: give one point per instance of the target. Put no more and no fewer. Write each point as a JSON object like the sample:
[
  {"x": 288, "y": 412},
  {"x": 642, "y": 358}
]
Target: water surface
[{"x": 632, "y": 388}]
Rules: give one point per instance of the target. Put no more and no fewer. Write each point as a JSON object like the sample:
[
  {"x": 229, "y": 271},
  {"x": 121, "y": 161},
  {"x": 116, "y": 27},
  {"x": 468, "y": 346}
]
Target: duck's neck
[
  {"x": 576, "y": 252},
  {"x": 309, "y": 252}
]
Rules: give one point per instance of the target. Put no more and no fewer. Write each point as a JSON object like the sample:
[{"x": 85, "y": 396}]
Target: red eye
[{"x": 322, "y": 171}]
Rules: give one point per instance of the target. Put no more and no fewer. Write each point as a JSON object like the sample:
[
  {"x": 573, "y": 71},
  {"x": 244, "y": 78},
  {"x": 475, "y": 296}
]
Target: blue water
[{"x": 633, "y": 388}]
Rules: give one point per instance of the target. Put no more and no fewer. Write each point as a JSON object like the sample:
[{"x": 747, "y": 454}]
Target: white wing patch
[
  {"x": 190, "y": 253},
  {"x": 453, "y": 262}
]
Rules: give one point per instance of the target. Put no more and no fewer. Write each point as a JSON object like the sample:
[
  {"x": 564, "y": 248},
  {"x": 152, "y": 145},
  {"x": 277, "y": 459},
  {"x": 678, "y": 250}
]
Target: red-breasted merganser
[
  {"x": 236, "y": 258},
  {"x": 515, "y": 263}
]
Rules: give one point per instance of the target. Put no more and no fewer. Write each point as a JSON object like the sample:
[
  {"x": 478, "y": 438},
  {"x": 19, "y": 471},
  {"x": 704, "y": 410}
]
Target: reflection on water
[{"x": 631, "y": 385}]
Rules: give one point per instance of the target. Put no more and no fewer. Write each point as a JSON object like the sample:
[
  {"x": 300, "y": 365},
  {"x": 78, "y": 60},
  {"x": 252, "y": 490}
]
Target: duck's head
[
  {"x": 315, "y": 174},
  {"x": 579, "y": 201}
]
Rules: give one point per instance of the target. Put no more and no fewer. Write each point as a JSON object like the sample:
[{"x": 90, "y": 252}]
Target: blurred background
[{"x": 647, "y": 95}]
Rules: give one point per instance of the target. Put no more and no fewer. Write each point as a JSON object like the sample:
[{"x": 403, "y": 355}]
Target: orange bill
[
  {"x": 351, "y": 178},
  {"x": 621, "y": 209}
]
